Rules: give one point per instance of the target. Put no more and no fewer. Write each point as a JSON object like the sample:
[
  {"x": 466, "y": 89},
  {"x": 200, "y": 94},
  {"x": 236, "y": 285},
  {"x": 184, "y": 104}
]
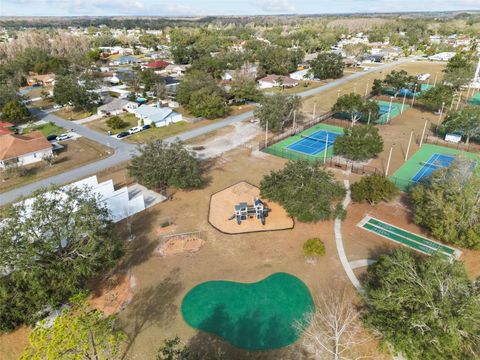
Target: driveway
[{"x": 123, "y": 151}]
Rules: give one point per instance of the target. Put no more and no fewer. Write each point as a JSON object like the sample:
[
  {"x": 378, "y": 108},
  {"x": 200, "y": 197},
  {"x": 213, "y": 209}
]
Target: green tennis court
[
  {"x": 253, "y": 316},
  {"x": 286, "y": 148},
  {"x": 475, "y": 100},
  {"x": 407, "y": 238},
  {"x": 385, "y": 109},
  {"x": 405, "y": 175}
]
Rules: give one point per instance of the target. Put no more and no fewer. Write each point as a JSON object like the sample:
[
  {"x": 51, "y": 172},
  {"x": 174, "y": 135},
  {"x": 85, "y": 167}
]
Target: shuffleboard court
[
  {"x": 436, "y": 161},
  {"x": 315, "y": 143},
  {"x": 407, "y": 238}
]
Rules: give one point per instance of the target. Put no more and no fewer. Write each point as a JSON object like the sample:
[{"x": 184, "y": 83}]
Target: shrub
[
  {"x": 115, "y": 122},
  {"x": 313, "y": 247},
  {"x": 373, "y": 188}
]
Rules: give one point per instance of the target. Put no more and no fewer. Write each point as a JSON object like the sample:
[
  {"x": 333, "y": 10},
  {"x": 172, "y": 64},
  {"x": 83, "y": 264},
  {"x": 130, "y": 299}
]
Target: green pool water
[{"x": 251, "y": 316}]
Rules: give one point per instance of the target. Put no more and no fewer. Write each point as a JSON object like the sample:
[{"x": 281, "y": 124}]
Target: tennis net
[{"x": 331, "y": 139}]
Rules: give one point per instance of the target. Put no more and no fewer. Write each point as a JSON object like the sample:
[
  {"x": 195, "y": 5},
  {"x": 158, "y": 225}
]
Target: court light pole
[
  {"x": 338, "y": 94},
  {"x": 389, "y": 110},
  {"x": 326, "y": 148},
  {"x": 435, "y": 81},
  {"x": 440, "y": 115},
  {"x": 458, "y": 102},
  {"x": 369, "y": 116},
  {"x": 403, "y": 102},
  {"x": 423, "y": 132},
  {"x": 366, "y": 88},
  {"x": 314, "y": 108},
  {"x": 414, "y": 92},
  {"x": 294, "y": 119},
  {"x": 266, "y": 134},
  {"x": 409, "y": 143},
  {"x": 388, "y": 162}
]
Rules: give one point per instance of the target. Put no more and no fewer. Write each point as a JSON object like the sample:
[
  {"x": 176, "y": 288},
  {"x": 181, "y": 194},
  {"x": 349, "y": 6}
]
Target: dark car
[
  {"x": 122, "y": 134},
  {"x": 145, "y": 127},
  {"x": 52, "y": 137}
]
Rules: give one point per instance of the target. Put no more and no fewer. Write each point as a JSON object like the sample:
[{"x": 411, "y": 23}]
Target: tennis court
[
  {"x": 418, "y": 166},
  {"x": 315, "y": 143},
  {"x": 395, "y": 110},
  {"x": 310, "y": 144},
  {"x": 475, "y": 100},
  {"x": 407, "y": 238},
  {"x": 436, "y": 161}
]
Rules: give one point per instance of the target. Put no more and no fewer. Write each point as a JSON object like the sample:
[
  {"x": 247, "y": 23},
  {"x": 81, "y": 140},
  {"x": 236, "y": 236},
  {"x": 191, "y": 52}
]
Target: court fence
[
  {"x": 435, "y": 140},
  {"x": 292, "y": 131}
]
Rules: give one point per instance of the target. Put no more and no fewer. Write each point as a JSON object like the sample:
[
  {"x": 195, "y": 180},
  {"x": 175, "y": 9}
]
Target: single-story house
[
  {"x": 444, "y": 56},
  {"x": 171, "y": 84},
  {"x": 160, "y": 116},
  {"x": 125, "y": 60},
  {"x": 176, "y": 70},
  {"x": 301, "y": 75},
  {"x": 156, "y": 65},
  {"x": 5, "y": 128},
  {"x": 271, "y": 81},
  {"x": 41, "y": 80},
  {"x": 23, "y": 149},
  {"x": 117, "y": 106}
]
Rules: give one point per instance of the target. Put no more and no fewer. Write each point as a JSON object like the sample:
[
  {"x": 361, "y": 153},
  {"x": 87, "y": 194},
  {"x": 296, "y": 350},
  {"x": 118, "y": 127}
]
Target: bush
[
  {"x": 313, "y": 247},
  {"x": 373, "y": 188},
  {"x": 116, "y": 122},
  {"x": 359, "y": 143}
]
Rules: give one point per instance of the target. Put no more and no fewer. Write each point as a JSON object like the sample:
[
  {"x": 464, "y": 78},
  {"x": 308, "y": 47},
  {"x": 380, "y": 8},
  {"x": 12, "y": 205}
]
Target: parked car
[
  {"x": 52, "y": 137},
  {"x": 122, "y": 134},
  {"x": 62, "y": 137},
  {"x": 135, "y": 129},
  {"x": 146, "y": 126},
  {"x": 57, "y": 106}
]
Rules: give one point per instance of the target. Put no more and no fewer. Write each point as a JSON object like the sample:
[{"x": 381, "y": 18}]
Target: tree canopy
[
  {"x": 278, "y": 110},
  {"x": 160, "y": 164},
  {"x": 15, "y": 112},
  {"x": 447, "y": 204},
  {"x": 68, "y": 90},
  {"x": 307, "y": 192},
  {"x": 465, "y": 121},
  {"x": 373, "y": 188},
  {"x": 434, "y": 97},
  {"x": 359, "y": 143},
  {"x": 327, "y": 66},
  {"x": 79, "y": 332},
  {"x": 423, "y": 307},
  {"x": 460, "y": 69},
  {"x": 398, "y": 80},
  {"x": 356, "y": 107},
  {"x": 49, "y": 249},
  {"x": 245, "y": 88}
]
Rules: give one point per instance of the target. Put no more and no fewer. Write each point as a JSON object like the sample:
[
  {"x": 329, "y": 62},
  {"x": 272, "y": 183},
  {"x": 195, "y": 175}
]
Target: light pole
[
  {"x": 314, "y": 108},
  {"x": 388, "y": 162},
  {"x": 435, "y": 81},
  {"x": 389, "y": 110},
  {"x": 409, "y": 143},
  {"x": 440, "y": 115},
  {"x": 403, "y": 102},
  {"x": 338, "y": 94},
  {"x": 366, "y": 89},
  {"x": 414, "y": 92}
]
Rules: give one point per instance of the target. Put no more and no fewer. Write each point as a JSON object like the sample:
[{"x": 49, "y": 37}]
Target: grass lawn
[
  {"x": 303, "y": 86},
  {"x": 101, "y": 124},
  {"x": 46, "y": 129},
  {"x": 43, "y": 104},
  {"x": 70, "y": 114}
]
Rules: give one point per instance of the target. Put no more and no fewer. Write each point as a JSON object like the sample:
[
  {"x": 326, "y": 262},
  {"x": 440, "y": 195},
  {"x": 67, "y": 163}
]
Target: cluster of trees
[
  {"x": 15, "y": 112},
  {"x": 460, "y": 69},
  {"x": 359, "y": 143},
  {"x": 447, "y": 204},
  {"x": 423, "y": 307},
  {"x": 465, "y": 121},
  {"x": 200, "y": 94},
  {"x": 305, "y": 190},
  {"x": 436, "y": 97},
  {"x": 73, "y": 91},
  {"x": 160, "y": 164},
  {"x": 394, "y": 82},
  {"x": 327, "y": 66},
  {"x": 373, "y": 189},
  {"x": 357, "y": 108},
  {"x": 49, "y": 249},
  {"x": 277, "y": 111}
]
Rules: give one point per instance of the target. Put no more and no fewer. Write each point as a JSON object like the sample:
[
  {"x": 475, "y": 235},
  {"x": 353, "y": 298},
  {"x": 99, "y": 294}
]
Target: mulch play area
[
  {"x": 255, "y": 316},
  {"x": 222, "y": 211}
]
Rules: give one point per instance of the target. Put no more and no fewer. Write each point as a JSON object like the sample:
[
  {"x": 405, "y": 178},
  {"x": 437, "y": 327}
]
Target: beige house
[{"x": 23, "y": 149}]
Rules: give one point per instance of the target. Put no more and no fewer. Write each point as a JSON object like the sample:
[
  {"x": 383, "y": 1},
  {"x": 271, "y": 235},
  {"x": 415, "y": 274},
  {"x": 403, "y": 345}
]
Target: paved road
[{"x": 124, "y": 151}]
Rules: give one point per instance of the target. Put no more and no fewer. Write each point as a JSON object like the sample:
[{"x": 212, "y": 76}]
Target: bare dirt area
[
  {"x": 76, "y": 153},
  {"x": 180, "y": 244},
  {"x": 222, "y": 207},
  {"x": 12, "y": 344},
  {"x": 113, "y": 293}
]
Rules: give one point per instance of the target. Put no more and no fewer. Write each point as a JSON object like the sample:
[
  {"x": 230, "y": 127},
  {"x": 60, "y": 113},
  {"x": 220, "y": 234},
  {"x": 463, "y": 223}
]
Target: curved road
[{"x": 123, "y": 151}]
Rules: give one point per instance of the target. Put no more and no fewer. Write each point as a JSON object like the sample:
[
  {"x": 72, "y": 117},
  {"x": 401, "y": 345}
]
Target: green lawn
[
  {"x": 70, "y": 114},
  {"x": 302, "y": 86},
  {"x": 101, "y": 124},
  {"x": 46, "y": 129}
]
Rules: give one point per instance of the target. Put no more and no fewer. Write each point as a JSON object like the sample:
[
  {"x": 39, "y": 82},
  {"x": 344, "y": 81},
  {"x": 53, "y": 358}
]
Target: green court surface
[
  {"x": 475, "y": 100},
  {"x": 394, "y": 111},
  {"x": 251, "y": 316},
  {"x": 407, "y": 238},
  {"x": 281, "y": 148},
  {"x": 402, "y": 178}
]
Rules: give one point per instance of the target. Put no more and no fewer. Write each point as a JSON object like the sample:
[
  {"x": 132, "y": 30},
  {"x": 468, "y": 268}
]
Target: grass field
[
  {"x": 70, "y": 114},
  {"x": 100, "y": 125},
  {"x": 403, "y": 176},
  {"x": 281, "y": 148},
  {"x": 46, "y": 129}
]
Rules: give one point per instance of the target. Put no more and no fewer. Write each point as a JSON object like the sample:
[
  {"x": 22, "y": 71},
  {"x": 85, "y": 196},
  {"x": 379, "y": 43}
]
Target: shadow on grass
[{"x": 152, "y": 306}]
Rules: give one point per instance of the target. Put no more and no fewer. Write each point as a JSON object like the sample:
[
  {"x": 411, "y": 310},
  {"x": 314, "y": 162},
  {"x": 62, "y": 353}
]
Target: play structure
[{"x": 243, "y": 211}]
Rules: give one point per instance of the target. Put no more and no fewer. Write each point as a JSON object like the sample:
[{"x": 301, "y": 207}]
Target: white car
[
  {"x": 135, "y": 129},
  {"x": 57, "y": 106},
  {"x": 62, "y": 137}
]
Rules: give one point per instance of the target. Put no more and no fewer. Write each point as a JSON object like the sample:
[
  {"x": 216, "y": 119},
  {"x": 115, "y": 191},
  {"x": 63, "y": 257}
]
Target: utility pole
[{"x": 423, "y": 132}]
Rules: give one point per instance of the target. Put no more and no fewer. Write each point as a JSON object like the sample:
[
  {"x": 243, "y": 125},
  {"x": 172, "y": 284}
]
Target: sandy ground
[
  {"x": 222, "y": 208},
  {"x": 233, "y": 136},
  {"x": 112, "y": 294}
]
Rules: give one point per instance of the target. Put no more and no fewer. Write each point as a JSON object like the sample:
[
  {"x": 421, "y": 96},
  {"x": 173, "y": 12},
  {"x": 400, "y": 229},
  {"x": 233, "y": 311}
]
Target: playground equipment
[{"x": 243, "y": 211}]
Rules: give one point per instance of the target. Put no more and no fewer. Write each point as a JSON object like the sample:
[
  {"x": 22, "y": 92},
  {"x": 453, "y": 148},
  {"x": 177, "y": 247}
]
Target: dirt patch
[
  {"x": 12, "y": 344},
  {"x": 113, "y": 293},
  {"x": 179, "y": 244},
  {"x": 222, "y": 209}
]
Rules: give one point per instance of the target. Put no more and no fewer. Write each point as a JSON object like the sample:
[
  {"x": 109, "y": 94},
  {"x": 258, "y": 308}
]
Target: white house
[
  {"x": 117, "y": 106},
  {"x": 159, "y": 116},
  {"x": 444, "y": 56},
  {"x": 23, "y": 149},
  {"x": 271, "y": 81},
  {"x": 301, "y": 75}
]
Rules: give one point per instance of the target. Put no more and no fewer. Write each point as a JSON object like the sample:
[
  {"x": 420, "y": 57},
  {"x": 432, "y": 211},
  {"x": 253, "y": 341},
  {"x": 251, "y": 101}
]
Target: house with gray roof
[
  {"x": 117, "y": 106},
  {"x": 159, "y": 116}
]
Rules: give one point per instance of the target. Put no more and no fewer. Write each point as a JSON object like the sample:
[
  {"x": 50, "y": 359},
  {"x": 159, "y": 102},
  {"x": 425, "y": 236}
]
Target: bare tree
[{"x": 334, "y": 331}]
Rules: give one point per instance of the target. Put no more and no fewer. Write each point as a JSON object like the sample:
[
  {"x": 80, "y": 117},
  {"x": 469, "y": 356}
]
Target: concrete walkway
[
  {"x": 88, "y": 119},
  {"x": 355, "y": 264},
  {"x": 339, "y": 243}
]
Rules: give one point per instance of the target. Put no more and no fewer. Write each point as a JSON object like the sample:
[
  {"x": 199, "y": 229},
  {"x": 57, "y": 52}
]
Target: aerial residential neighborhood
[{"x": 263, "y": 180}]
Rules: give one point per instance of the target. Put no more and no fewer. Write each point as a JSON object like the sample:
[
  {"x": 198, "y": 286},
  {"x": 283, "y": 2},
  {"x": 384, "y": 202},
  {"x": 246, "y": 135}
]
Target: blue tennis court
[
  {"x": 384, "y": 109},
  {"x": 315, "y": 143},
  {"x": 435, "y": 162}
]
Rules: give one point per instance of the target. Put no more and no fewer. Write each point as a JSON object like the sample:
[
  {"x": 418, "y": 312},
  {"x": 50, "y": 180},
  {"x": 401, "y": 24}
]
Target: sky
[{"x": 221, "y": 7}]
